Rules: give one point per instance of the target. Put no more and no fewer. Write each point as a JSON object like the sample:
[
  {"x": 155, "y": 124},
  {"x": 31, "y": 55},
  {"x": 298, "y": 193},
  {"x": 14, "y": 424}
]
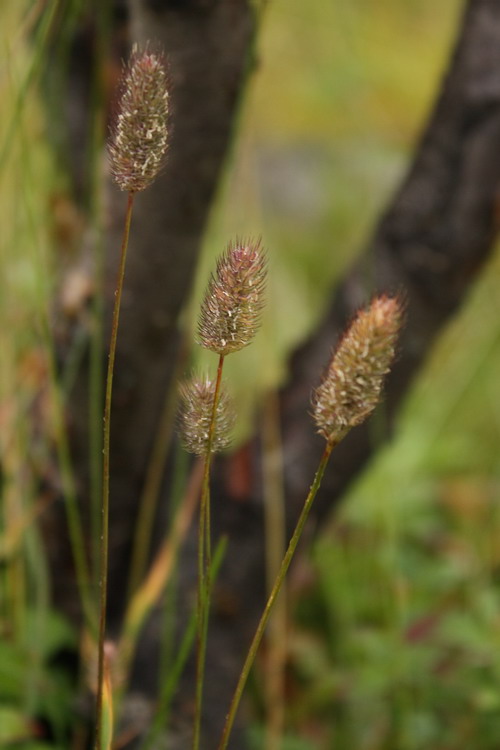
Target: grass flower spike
[
  {"x": 205, "y": 423},
  {"x": 197, "y": 398},
  {"x": 139, "y": 138},
  {"x": 347, "y": 394},
  {"x": 352, "y": 384},
  {"x": 231, "y": 311},
  {"x": 230, "y": 316},
  {"x": 137, "y": 148}
]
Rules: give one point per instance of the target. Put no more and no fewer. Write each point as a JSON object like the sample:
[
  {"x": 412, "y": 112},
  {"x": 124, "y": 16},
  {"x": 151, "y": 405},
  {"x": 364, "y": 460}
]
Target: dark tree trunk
[
  {"x": 436, "y": 234},
  {"x": 433, "y": 239},
  {"x": 208, "y": 46}
]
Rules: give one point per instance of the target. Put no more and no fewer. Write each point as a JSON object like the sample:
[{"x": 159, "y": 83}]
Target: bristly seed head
[
  {"x": 231, "y": 311},
  {"x": 353, "y": 381},
  {"x": 195, "y": 415},
  {"x": 139, "y": 137}
]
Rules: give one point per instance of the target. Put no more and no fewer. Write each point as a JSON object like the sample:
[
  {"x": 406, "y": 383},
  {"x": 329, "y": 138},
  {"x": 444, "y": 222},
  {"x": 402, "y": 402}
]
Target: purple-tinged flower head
[
  {"x": 352, "y": 384},
  {"x": 231, "y": 311},
  {"x": 138, "y": 140},
  {"x": 195, "y": 416}
]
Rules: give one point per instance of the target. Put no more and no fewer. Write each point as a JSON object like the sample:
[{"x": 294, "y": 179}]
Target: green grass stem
[
  {"x": 275, "y": 540},
  {"x": 95, "y": 204},
  {"x": 172, "y": 675},
  {"x": 103, "y": 572},
  {"x": 204, "y": 563},
  {"x": 152, "y": 485},
  {"x": 252, "y": 652}
]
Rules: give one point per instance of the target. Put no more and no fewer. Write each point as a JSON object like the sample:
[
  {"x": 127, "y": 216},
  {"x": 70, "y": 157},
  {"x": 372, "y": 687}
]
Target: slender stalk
[
  {"x": 159, "y": 574},
  {"x": 275, "y": 541},
  {"x": 95, "y": 204},
  {"x": 72, "y": 511},
  {"x": 274, "y": 593},
  {"x": 151, "y": 492},
  {"x": 103, "y": 572},
  {"x": 205, "y": 490},
  {"x": 204, "y": 563}
]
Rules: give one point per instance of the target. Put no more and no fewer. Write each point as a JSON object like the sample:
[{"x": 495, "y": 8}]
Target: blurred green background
[
  {"x": 396, "y": 637},
  {"x": 394, "y": 642}
]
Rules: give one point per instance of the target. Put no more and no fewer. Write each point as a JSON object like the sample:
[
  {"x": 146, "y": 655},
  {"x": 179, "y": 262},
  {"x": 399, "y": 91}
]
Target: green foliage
[
  {"x": 410, "y": 657},
  {"x": 35, "y": 685},
  {"x": 256, "y": 740}
]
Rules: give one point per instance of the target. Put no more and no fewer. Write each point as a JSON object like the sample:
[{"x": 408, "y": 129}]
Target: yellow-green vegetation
[
  {"x": 31, "y": 635},
  {"x": 26, "y": 179}
]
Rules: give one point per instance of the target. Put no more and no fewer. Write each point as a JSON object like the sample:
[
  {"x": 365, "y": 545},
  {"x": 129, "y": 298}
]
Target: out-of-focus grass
[
  {"x": 31, "y": 635},
  {"x": 25, "y": 268}
]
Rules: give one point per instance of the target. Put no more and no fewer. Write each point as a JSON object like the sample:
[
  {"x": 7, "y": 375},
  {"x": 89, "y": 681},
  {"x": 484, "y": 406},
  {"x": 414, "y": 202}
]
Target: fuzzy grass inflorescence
[
  {"x": 137, "y": 148},
  {"x": 349, "y": 391},
  {"x": 230, "y": 316},
  {"x": 232, "y": 307},
  {"x": 139, "y": 137},
  {"x": 352, "y": 384},
  {"x": 197, "y": 398}
]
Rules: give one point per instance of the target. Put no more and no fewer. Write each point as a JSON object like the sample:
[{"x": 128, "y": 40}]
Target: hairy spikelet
[
  {"x": 231, "y": 310},
  {"x": 353, "y": 381},
  {"x": 197, "y": 397},
  {"x": 139, "y": 138}
]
